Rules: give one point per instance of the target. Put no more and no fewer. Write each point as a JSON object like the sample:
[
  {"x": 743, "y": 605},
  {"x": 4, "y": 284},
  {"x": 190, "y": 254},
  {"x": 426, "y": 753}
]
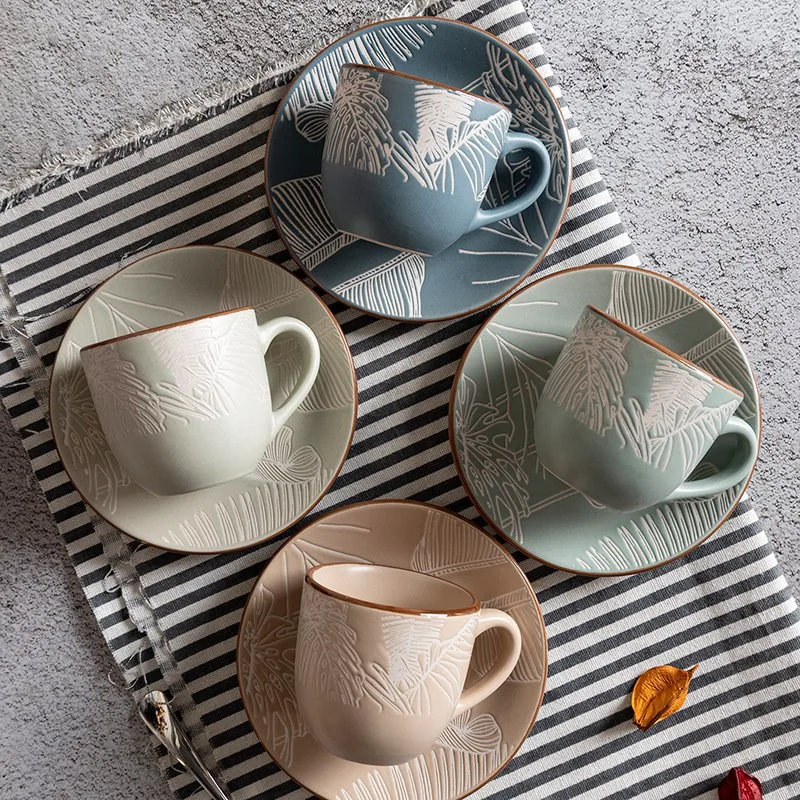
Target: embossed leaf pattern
[
  {"x": 252, "y": 283},
  {"x": 437, "y": 110},
  {"x": 450, "y": 148},
  {"x": 409, "y": 643},
  {"x": 587, "y": 377},
  {"x": 675, "y": 393},
  {"x": 305, "y": 223},
  {"x": 483, "y": 433},
  {"x": 445, "y": 551},
  {"x": 326, "y": 654},
  {"x": 506, "y": 183},
  {"x": 466, "y": 755},
  {"x": 393, "y": 288},
  {"x": 419, "y": 663},
  {"x": 359, "y": 133},
  {"x": 389, "y": 47},
  {"x": 721, "y": 355},
  {"x": 587, "y": 382},
  {"x": 212, "y": 366},
  {"x": 312, "y": 121},
  {"x": 282, "y": 464},
  {"x": 333, "y": 387},
  {"x": 468, "y": 734},
  {"x": 630, "y": 427},
  {"x": 75, "y": 416},
  {"x": 489, "y": 645},
  {"x": 267, "y": 663},
  {"x": 675, "y": 424},
  {"x": 521, "y": 369},
  {"x": 121, "y": 396},
  {"x": 694, "y": 432},
  {"x": 534, "y": 113},
  {"x": 305, "y": 554},
  {"x": 244, "y": 516},
  {"x": 497, "y": 455},
  {"x": 657, "y": 534},
  {"x": 647, "y": 304},
  {"x": 117, "y": 314}
]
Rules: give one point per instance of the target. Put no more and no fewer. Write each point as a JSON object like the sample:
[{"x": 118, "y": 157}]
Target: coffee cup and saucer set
[
  {"x": 604, "y": 419},
  {"x": 172, "y": 423}
]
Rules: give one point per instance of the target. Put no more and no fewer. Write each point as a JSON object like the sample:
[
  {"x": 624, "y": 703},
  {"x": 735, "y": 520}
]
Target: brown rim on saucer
[
  {"x": 416, "y": 78},
  {"x": 411, "y": 612},
  {"x": 537, "y": 606},
  {"x": 480, "y": 508},
  {"x": 660, "y": 347},
  {"x": 336, "y": 471},
  {"x": 536, "y": 262},
  {"x": 169, "y": 325}
]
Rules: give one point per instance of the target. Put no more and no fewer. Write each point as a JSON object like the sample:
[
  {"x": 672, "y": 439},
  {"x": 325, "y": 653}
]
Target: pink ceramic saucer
[{"x": 401, "y": 533}]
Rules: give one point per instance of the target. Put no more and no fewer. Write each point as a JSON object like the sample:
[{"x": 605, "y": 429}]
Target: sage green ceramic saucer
[
  {"x": 300, "y": 463},
  {"x": 493, "y": 412}
]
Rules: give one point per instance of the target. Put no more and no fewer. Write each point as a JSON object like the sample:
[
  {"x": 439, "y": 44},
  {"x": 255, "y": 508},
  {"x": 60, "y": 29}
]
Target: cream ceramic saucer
[
  {"x": 493, "y": 413},
  {"x": 482, "y": 265},
  {"x": 476, "y": 745},
  {"x": 300, "y": 463}
]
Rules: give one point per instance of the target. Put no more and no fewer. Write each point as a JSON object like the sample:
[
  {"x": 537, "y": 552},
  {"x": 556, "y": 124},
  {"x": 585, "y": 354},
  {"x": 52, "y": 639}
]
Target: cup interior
[
  {"x": 414, "y": 80},
  {"x": 660, "y": 348},
  {"x": 183, "y": 323},
  {"x": 392, "y": 589}
]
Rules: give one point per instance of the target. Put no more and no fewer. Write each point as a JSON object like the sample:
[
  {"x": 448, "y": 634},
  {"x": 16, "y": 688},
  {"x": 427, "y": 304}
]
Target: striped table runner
[{"x": 171, "y": 620}]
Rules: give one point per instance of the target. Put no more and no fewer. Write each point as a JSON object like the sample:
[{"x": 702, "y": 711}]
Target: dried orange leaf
[{"x": 658, "y": 693}]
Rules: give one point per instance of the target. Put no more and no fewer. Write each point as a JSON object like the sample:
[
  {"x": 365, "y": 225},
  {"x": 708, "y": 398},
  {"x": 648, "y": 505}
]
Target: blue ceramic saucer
[{"x": 480, "y": 267}]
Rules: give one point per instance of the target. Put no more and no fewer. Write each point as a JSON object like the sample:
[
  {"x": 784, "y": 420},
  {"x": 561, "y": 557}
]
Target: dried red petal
[{"x": 740, "y": 785}]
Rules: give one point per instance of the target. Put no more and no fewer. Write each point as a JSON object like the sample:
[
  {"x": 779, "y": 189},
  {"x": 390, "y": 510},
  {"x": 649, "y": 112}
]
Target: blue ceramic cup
[
  {"x": 625, "y": 421},
  {"x": 407, "y": 161}
]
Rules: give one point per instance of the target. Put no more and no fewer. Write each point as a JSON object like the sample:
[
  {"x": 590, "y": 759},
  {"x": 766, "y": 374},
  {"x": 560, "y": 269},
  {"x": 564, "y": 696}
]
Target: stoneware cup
[
  {"x": 625, "y": 421},
  {"x": 406, "y": 161},
  {"x": 382, "y": 657},
  {"x": 186, "y": 406}
]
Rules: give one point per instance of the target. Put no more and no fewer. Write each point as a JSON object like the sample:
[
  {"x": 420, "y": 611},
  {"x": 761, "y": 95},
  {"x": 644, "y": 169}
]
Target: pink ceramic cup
[{"x": 382, "y": 657}]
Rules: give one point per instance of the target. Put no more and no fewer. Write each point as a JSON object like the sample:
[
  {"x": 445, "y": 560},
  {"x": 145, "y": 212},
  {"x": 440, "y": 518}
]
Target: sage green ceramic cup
[
  {"x": 188, "y": 405},
  {"x": 625, "y": 421}
]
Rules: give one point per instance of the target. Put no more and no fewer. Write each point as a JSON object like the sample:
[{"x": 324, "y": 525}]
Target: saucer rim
[
  {"x": 537, "y": 261},
  {"x": 480, "y": 509},
  {"x": 255, "y": 542},
  {"x": 385, "y": 501}
]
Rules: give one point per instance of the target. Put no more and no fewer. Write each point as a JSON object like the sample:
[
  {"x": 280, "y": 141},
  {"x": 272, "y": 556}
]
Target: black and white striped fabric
[{"x": 171, "y": 620}]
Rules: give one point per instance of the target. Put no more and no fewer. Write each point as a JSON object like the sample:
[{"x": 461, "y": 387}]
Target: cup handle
[
  {"x": 541, "y": 165},
  {"x": 309, "y": 346},
  {"x": 502, "y": 668},
  {"x": 738, "y": 469}
]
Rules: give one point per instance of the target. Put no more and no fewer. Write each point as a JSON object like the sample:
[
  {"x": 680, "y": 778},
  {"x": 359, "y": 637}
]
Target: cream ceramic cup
[
  {"x": 187, "y": 406},
  {"x": 382, "y": 656}
]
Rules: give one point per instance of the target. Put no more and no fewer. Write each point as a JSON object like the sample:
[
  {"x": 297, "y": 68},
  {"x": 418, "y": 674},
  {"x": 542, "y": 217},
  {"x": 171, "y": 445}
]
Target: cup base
[{"x": 399, "y": 248}]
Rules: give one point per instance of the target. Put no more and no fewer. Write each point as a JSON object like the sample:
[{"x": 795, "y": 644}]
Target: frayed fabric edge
[{"x": 136, "y": 135}]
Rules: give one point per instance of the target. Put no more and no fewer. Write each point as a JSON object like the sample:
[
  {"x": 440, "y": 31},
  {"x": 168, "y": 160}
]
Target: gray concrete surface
[{"x": 691, "y": 110}]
